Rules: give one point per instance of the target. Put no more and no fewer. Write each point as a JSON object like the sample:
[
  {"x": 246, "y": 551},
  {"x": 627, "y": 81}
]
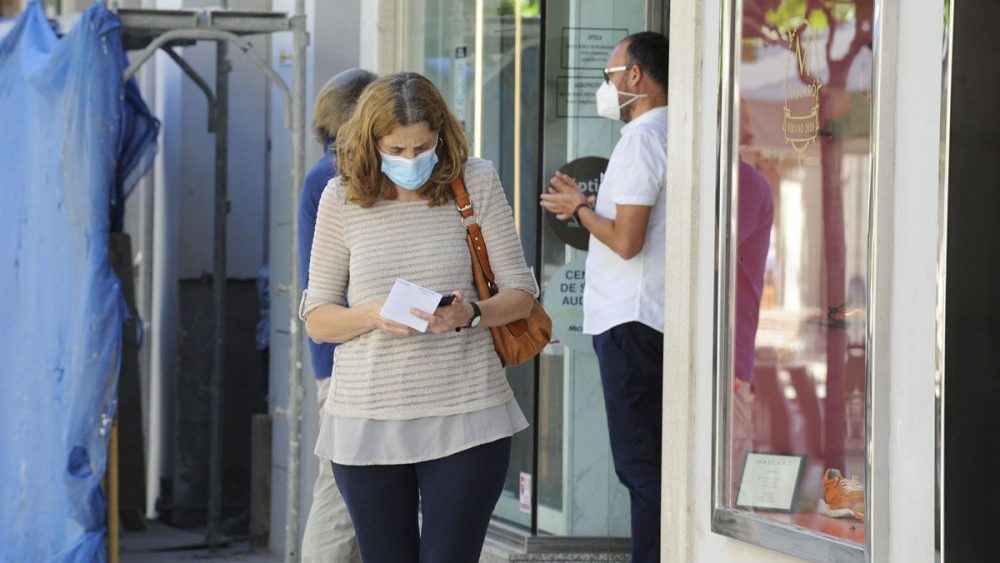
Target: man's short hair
[
  {"x": 650, "y": 51},
  {"x": 336, "y": 101}
]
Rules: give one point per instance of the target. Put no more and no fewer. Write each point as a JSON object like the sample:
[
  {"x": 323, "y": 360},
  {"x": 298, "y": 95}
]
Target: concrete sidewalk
[{"x": 160, "y": 543}]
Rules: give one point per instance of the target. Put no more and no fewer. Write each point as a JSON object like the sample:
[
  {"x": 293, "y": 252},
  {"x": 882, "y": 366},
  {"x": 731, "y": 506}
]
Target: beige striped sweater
[{"x": 357, "y": 255}]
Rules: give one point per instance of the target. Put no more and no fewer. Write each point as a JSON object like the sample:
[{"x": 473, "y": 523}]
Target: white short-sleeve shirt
[{"x": 619, "y": 291}]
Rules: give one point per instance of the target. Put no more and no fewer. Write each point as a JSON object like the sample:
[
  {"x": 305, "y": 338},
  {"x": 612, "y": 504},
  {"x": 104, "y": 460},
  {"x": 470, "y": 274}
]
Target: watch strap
[{"x": 477, "y": 315}]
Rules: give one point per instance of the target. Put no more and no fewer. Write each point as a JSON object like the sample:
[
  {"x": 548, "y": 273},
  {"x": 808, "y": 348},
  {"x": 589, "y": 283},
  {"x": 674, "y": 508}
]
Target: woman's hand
[
  {"x": 392, "y": 328},
  {"x": 338, "y": 324},
  {"x": 446, "y": 318},
  {"x": 374, "y": 311}
]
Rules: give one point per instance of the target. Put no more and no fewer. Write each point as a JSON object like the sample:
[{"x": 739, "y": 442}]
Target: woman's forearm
[
  {"x": 338, "y": 324},
  {"x": 335, "y": 323},
  {"x": 505, "y": 307}
]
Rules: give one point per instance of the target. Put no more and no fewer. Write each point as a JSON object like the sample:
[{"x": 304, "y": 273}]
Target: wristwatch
[{"x": 477, "y": 315}]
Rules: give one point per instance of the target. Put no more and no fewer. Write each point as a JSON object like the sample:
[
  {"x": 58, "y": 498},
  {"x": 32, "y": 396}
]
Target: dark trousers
[
  {"x": 631, "y": 360},
  {"x": 455, "y": 495}
]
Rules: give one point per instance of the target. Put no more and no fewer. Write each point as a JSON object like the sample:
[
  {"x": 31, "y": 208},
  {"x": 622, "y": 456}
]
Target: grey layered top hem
[{"x": 363, "y": 441}]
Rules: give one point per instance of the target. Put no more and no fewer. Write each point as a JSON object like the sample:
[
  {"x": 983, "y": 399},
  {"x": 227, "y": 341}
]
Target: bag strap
[{"x": 477, "y": 244}]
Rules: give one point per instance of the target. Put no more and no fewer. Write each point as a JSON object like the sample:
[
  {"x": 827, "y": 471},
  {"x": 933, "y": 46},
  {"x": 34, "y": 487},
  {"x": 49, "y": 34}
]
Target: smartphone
[{"x": 446, "y": 300}]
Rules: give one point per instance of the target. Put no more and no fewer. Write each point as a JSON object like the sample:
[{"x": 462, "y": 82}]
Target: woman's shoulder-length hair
[{"x": 402, "y": 99}]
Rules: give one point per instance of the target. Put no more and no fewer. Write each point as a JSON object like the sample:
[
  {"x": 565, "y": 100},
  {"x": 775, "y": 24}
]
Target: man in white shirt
[{"x": 623, "y": 296}]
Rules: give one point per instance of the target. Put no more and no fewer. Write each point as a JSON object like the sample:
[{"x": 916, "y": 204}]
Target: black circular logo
[{"x": 588, "y": 173}]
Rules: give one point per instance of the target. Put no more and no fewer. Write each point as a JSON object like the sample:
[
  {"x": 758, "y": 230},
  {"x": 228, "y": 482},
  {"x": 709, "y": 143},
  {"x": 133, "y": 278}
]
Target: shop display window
[{"x": 793, "y": 275}]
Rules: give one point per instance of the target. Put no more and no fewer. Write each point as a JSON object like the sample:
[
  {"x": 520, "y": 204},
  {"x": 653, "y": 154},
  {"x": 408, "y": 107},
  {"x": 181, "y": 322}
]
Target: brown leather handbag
[{"x": 519, "y": 341}]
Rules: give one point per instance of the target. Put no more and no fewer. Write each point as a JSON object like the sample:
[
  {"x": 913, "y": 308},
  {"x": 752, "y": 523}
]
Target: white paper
[{"x": 405, "y": 296}]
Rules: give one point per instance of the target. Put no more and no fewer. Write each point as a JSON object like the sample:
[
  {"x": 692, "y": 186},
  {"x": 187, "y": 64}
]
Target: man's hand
[{"x": 564, "y": 197}]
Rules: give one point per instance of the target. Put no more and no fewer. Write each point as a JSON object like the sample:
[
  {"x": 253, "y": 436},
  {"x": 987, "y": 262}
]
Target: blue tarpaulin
[{"x": 73, "y": 140}]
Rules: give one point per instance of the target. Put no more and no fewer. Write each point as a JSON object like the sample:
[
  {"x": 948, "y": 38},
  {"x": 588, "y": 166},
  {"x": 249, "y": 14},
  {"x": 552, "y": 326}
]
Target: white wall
[
  {"x": 247, "y": 150},
  {"x": 907, "y": 209},
  {"x": 380, "y": 37},
  {"x": 163, "y": 316}
]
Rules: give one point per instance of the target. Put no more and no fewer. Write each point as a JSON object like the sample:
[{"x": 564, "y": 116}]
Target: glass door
[
  {"x": 578, "y": 491},
  {"x": 531, "y": 118},
  {"x": 484, "y": 56}
]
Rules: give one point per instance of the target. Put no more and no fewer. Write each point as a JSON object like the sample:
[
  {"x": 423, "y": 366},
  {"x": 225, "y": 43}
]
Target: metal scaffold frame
[{"x": 153, "y": 30}]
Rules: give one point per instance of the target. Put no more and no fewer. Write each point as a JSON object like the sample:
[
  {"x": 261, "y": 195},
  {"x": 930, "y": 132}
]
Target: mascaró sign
[{"x": 801, "y": 110}]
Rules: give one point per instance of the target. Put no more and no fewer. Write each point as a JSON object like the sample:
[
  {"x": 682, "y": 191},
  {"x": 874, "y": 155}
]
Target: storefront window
[{"x": 793, "y": 277}]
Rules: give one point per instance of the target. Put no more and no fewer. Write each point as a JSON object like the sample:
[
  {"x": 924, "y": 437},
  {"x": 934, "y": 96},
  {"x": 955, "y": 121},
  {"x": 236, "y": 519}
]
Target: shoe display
[{"x": 842, "y": 497}]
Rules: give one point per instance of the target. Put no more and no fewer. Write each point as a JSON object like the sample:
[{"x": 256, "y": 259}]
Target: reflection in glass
[{"x": 799, "y": 257}]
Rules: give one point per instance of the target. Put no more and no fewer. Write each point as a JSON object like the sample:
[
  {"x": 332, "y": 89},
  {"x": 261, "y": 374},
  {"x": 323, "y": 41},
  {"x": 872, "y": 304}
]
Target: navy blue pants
[
  {"x": 455, "y": 495},
  {"x": 631, "y": 360}
]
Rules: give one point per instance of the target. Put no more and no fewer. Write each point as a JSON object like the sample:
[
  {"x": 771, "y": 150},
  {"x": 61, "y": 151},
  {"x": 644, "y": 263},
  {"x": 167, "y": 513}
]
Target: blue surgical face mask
[{"x": 410, "y": 173}]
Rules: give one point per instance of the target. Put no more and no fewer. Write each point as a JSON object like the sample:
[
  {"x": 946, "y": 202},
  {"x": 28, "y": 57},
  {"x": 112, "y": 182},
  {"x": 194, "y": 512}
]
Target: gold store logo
[{"x": 801, "y": 110}]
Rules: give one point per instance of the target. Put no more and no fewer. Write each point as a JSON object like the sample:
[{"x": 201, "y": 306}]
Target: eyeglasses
[{"x": 609, "y": 71}]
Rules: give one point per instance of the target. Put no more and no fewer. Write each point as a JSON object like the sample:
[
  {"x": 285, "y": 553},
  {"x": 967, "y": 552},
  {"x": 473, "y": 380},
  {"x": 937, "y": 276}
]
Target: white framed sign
[{"x": 770, "y": 481}]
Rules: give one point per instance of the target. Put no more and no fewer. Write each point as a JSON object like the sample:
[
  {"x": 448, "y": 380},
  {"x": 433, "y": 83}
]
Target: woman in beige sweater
[{"x": 414, "y": 422}]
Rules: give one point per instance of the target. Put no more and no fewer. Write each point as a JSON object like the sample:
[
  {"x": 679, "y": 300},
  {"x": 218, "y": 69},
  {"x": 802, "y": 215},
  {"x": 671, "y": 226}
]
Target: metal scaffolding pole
[
  {"x": 220, "y": 118},
  {"x": 301, "y": 39}
]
